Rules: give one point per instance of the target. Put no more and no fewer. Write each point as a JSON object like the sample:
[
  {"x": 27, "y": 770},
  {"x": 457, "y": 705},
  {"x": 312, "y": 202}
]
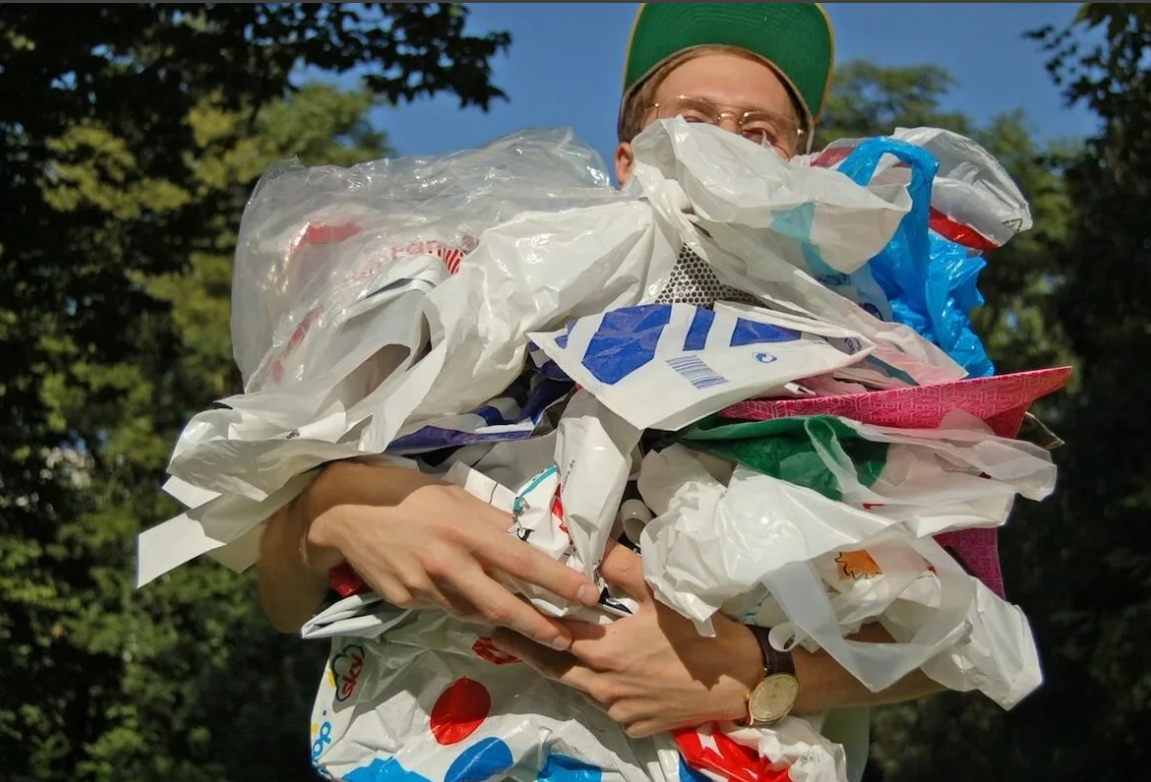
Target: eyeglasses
[{"x": 765, "y": 128}]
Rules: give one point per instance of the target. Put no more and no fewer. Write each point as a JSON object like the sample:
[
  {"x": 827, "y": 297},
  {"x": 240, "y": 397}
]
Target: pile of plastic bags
[{"x": 759, "y": 374}]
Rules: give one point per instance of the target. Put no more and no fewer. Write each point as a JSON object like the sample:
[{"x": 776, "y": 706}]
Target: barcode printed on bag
[{"x": 695, "y": 371}]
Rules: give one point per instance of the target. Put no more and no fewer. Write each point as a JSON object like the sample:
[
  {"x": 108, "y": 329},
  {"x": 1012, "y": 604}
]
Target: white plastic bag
[
  {"x": 961, "y": 472},
  {"x": 769, "y": 552},
  {"x": 972, "y": 190},
  {"x": 702, "y": 360},
  {"x": 419, "y": 696},
  {"x": 398, "y": 296}
]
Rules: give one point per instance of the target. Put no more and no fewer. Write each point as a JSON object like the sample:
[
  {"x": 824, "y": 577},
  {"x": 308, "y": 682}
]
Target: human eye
[
  {"x": 766, "y": 130},
  {"x": 695, "y": 111}
]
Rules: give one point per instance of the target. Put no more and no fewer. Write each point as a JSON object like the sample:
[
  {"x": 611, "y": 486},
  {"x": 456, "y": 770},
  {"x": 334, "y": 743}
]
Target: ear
[{"x": 624, "y": 160}]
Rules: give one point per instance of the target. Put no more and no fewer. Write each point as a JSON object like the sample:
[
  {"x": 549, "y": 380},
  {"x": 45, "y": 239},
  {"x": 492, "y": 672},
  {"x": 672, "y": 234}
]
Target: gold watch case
[{"x": 772, "y": 699}]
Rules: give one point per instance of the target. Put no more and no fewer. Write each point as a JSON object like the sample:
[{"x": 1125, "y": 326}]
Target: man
[{"x": 759, "y": 69}]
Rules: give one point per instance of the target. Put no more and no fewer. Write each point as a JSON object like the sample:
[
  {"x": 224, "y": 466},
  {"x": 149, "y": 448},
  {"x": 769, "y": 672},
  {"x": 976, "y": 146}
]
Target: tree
[
  {"x": 934, "y": 738},
  {"x": 171, "y": 676},
  {"x": 1081, "y": 566},
  {"x": 867, "y": 99},
  {"x": 130, "y": 136}
]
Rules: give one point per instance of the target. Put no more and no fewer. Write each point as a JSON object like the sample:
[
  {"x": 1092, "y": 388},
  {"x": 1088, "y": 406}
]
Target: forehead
[{"x": 729, "y": 80}]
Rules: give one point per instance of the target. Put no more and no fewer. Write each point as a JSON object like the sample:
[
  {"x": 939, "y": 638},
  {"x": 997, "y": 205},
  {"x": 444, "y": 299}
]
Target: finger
[
  {"x": 518, "y": 559},
  {"x": 392, "y": 591},
  {"x": 461, "y": 607},
  {"x": 558, "y": 666},
  {"x": 645, "y": 729},
  {"x": 501, "y": 608},
  {"x": 621, "y": 567},
  {"x": 588, "y": 641},
  {"x": 415, "y": 580},
  {"x": 496, "y": 518}
]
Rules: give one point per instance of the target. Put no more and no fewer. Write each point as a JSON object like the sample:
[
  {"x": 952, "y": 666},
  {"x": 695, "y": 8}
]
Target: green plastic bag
[{"x": 785, "y": 448}]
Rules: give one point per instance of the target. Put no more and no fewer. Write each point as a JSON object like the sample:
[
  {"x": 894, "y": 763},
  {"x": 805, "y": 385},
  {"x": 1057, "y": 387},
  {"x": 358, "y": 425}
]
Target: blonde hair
[{"x": 637, "y": 103}]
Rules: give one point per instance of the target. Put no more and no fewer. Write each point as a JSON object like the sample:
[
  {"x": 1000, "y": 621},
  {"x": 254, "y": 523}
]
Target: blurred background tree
[
  {"x": 130, "y": 138},
  {"x": 1080, "y": 563}
]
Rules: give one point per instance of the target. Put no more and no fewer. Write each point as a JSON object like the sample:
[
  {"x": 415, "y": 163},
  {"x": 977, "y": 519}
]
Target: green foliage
[
  {"x": 130, "y": 138},
  {"x": 869, "y": 100},
  {"x": 1079, "y": 564}
]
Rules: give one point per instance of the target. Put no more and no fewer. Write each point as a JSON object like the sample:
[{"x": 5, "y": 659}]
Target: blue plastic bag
[{"x": 930, "y": 282}]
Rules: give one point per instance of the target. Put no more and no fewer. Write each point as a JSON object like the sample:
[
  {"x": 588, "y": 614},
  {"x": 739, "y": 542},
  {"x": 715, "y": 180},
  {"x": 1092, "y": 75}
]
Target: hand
[
  {"x": 419, "y": 542},
  {"x": 653, "y": 671}
]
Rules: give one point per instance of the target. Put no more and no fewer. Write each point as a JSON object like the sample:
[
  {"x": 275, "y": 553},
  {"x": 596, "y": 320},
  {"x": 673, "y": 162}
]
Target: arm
[
  {"x": 416, "y": 541},
  {"x": 654, "y": 672},
  {"x": 300, "y": 547},
  {"x": 825, "y": 685},
  {"x": 293, "y": 569}
]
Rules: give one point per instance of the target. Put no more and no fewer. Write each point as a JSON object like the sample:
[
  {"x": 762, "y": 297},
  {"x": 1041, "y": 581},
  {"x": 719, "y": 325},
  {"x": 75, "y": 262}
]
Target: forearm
[
  {"x": 825, "y": 685},
  {"x": 290, "y": 587},
  {"x": 306, "y": 539}
]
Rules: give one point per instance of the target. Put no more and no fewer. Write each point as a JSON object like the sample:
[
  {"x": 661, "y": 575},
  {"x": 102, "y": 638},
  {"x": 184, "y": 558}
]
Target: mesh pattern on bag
[{"x": 692, "y": 281}]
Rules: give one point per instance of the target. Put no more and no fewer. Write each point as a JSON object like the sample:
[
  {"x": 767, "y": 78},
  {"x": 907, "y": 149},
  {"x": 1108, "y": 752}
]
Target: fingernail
[
  {"x": 588, "y": 595},
  {"x": 561, "y": 644}
]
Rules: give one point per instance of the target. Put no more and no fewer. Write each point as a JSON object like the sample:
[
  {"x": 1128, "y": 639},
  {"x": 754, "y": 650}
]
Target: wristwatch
[{"x": 774, "y": 697}]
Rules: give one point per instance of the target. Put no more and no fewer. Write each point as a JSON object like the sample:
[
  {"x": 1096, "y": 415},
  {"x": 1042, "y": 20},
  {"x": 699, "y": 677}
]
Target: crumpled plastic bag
[
  {"x": 772, "y": 254},
  {"x": 753, "y": 548},
  {"x": 921, "y": 279},
  {"x": 961, "y": 471},
  {"x": 420, "y": 696},
  {"x": 433, "y": 696},
  {"x": 436, "y": 340},
  {"x": 395, "y": 309},
  {"x": 701, "y": 359},
  {"x": 974, "y": 200}
]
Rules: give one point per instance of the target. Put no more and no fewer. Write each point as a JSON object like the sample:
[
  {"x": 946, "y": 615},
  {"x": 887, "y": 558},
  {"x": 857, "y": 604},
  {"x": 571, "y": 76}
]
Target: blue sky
[{"x": 566, "y": 59}]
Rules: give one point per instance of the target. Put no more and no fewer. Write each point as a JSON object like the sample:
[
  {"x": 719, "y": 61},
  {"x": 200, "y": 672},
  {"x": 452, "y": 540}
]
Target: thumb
[{"x": 621, "y": 567}]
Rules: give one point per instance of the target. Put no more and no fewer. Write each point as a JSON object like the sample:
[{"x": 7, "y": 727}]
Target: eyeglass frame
[{"x": 803, "y": 138}]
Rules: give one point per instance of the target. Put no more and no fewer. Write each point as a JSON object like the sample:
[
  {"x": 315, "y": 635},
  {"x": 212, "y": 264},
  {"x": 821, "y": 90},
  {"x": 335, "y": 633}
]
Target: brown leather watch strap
[{"x": 774, "y": 661}]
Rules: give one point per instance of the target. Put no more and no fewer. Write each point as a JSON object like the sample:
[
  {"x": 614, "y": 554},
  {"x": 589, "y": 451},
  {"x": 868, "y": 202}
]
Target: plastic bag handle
[{"x": 801, "y": 594}]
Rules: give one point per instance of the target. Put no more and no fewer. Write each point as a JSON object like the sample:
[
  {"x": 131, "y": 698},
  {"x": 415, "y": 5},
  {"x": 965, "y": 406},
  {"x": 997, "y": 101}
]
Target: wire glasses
[{"x": 765, "y": 128}]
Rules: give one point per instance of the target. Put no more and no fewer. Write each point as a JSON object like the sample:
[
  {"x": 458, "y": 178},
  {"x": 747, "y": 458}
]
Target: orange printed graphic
[{"x": 854, "y": 565}]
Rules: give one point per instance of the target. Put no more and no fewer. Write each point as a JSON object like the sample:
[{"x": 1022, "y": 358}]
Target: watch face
[{"x": 773, "y": 698}]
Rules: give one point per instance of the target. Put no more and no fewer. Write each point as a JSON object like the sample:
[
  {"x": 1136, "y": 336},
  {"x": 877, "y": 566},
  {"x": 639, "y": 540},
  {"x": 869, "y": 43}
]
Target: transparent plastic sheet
[{"x": 313, "y": 240}]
